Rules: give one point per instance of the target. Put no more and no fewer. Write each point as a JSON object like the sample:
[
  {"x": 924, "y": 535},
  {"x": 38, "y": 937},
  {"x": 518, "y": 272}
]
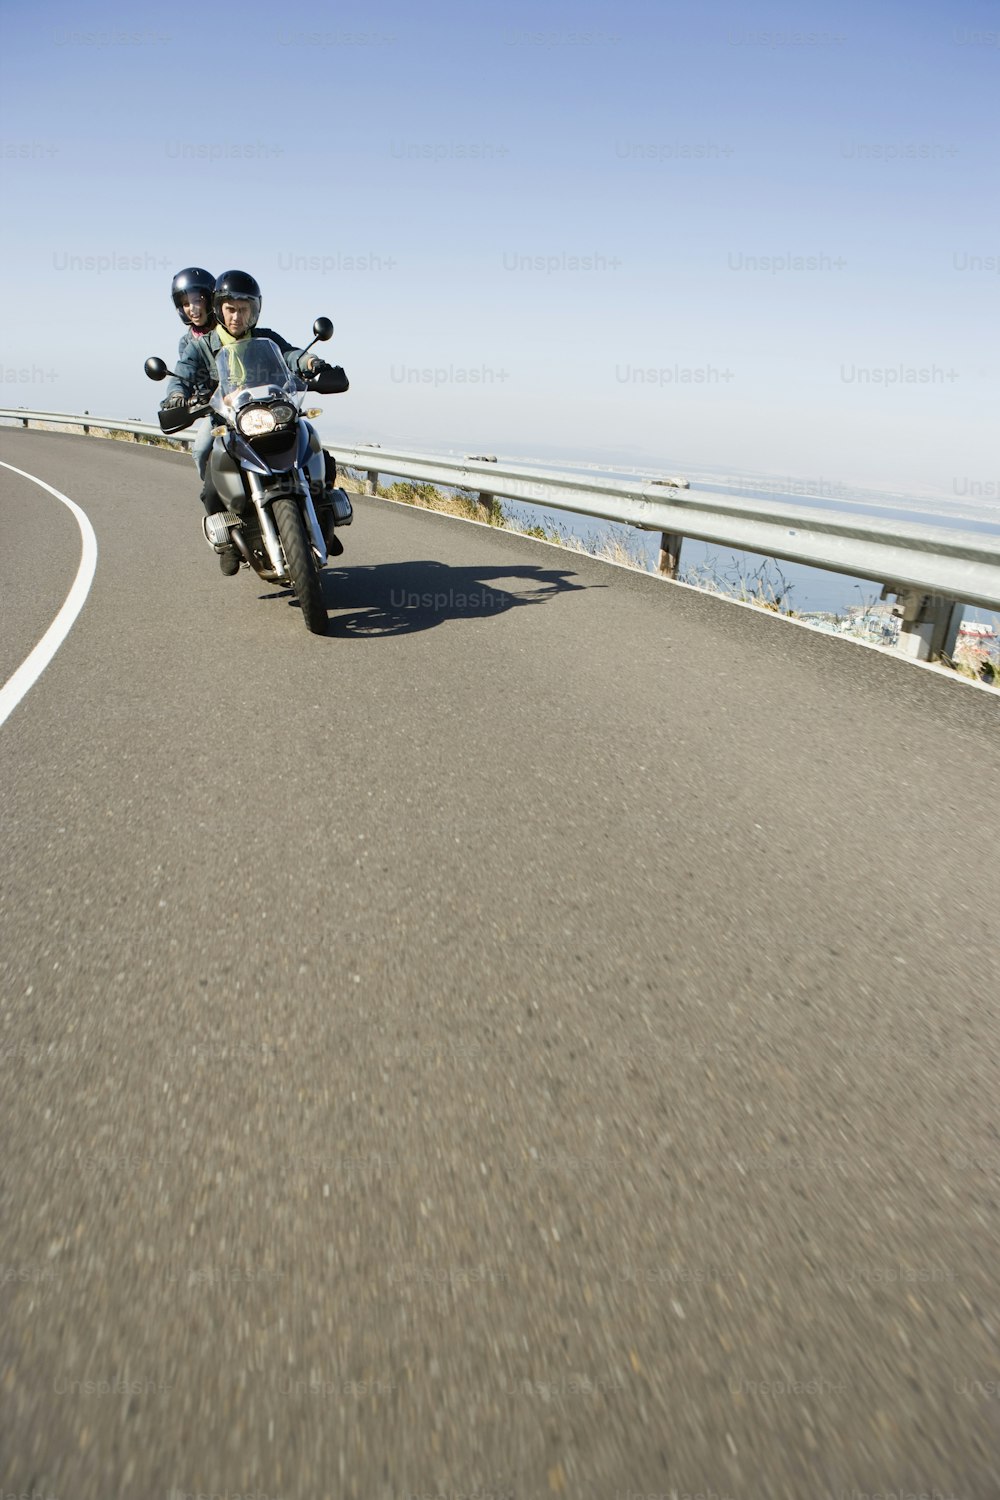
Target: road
[{"x": 540, "y": 1038}]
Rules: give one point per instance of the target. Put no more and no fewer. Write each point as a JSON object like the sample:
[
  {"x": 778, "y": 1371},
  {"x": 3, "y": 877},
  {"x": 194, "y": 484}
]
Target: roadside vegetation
[
  {"x": 972, "y": 659},
  {"x": 121, "y": 436}
]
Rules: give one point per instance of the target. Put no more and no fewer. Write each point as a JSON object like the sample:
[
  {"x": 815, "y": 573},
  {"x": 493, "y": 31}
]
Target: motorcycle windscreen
[{"x": 252, "y": 369}]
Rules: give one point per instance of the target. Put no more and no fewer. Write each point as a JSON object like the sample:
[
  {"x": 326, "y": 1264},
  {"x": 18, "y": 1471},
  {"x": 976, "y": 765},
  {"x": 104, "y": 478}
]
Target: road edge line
[{"x": 24, "y": 677}]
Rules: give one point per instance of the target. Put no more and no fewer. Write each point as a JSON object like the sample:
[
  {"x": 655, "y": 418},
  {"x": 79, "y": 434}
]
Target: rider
[
  {"x": 236, "y": 304},
  {"x": 192, "y": 291}
]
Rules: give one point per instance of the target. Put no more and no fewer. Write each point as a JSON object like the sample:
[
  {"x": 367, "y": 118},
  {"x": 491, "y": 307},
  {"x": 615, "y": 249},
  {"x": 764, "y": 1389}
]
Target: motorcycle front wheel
[{"x": 302, "y": 569}]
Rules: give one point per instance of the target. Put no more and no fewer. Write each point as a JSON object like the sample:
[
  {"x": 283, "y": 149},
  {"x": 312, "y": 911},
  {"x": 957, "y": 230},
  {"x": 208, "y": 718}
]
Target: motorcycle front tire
[{"x": 302, "y": 568}]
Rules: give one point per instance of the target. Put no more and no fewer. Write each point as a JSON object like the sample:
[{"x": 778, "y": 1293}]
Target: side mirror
[
  {"x": 155, "y": 368},
  {"x": 323, "y": 329}
]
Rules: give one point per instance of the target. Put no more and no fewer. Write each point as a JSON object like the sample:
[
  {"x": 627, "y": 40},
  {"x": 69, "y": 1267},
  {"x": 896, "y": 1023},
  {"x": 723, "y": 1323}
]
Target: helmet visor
[
  {"x": 196, "y": 304},
  {"x": 237, "y": 314}
]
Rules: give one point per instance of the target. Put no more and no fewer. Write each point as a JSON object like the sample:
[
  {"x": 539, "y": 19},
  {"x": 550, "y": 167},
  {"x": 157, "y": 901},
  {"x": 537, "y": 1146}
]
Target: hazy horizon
[{"x": 757, "y": 244}]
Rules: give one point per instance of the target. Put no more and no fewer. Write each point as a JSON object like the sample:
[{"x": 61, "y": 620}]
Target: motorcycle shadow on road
[{"x": 390, "y": 599}]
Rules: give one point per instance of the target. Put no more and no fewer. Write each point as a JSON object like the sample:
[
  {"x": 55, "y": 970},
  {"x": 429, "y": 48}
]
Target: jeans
[{"x": 202, "y": 445}]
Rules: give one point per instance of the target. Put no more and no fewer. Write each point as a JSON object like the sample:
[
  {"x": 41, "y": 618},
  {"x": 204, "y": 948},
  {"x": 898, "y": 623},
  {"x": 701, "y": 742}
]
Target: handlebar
[{"x": 329, "y": 381}]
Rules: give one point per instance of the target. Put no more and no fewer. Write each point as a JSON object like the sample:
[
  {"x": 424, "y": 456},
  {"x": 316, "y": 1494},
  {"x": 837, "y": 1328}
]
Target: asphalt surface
[{"x": 540, "y": 1038}]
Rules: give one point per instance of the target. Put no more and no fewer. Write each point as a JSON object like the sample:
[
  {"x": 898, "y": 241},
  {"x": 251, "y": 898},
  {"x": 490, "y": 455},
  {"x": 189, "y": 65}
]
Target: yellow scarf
[{"x": 236, "y": 365}]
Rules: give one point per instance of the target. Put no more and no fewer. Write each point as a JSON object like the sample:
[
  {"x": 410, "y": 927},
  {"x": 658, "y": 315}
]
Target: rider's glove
[
  {"x": 175, "y": 400},
  {"x": 329, "y": 380},
  {"x": 313, "y": 364}
]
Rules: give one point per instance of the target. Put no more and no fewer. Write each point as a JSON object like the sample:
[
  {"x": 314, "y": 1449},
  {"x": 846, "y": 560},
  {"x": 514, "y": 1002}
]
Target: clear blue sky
[{"x": 427, "y": 175}]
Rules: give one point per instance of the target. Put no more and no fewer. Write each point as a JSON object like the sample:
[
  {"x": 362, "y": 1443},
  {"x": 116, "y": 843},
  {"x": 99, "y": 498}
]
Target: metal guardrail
[
  {"x": 86, "y": 421},
  {"x": 932, "y": 571}
]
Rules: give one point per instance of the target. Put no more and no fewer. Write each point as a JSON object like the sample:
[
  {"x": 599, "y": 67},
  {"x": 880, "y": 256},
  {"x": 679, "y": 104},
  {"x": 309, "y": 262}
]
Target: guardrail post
[
  {"x": 929, "y": 625},
  {"x": 24, "y": 421},
  {"x": 373, "y": 482},
  {"x": 486, "y": 501},
  {"x": 670, "y": 554},
  {"x": 86, "y": 429}
]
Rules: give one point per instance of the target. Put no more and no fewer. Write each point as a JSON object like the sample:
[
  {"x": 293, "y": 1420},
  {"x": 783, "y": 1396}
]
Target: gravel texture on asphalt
[{"x": 539, "y": 1038}]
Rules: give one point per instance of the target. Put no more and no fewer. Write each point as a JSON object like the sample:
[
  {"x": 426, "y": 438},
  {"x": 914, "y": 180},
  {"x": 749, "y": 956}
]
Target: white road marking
[{"x": 36, "y": 661}]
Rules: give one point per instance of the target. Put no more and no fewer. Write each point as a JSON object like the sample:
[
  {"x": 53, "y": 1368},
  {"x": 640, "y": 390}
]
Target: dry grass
[
  {"x": 120, "y": 436},
  {"x": 457, "y": 502},
  {"x": 765, "y": 586}
]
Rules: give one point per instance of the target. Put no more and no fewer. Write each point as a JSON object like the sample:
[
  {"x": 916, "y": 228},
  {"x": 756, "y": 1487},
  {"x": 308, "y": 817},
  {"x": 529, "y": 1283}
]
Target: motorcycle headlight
[
  {"x": 256, "y": 420},
  {"x": 283, "y": 413}
]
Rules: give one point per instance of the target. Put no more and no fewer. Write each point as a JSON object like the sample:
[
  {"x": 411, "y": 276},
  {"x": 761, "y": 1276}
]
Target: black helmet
[
  {"x": 192, "y": 279},
  {"x": 237, "y": 286}
]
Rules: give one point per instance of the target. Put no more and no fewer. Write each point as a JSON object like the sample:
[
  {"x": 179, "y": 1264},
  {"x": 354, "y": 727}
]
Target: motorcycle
[{"x": 268, "y": 466}]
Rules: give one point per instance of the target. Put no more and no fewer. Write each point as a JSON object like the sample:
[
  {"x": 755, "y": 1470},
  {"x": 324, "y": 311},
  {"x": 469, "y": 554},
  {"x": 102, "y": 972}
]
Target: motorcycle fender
[
  {"x": 281, "y": 460},
  {"x": 292, "y": 484},
  {"x": 242, "y": 453}
]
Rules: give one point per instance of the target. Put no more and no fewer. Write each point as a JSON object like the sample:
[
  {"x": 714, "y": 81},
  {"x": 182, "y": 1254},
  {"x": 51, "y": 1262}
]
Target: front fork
[{"x": 261, "y": 497}]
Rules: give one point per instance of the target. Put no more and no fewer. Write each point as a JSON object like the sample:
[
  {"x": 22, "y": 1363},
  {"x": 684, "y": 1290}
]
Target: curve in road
[{"x": 34, "y": 664}]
